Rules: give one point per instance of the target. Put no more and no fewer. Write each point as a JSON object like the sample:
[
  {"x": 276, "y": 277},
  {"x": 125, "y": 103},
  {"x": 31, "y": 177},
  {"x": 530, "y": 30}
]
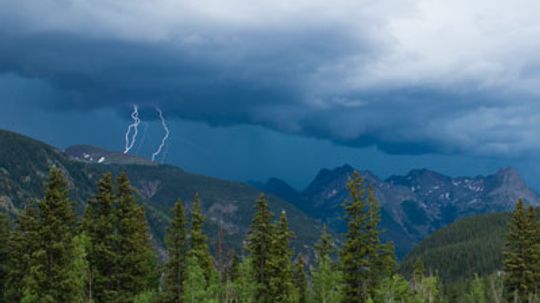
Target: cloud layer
[{"x": 406, "y": 76}]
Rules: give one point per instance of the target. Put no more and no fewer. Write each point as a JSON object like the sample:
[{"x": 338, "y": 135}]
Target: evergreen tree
[
  {"x": 4, "y": 253},
  {"x": 520, "y": 255},
  {"x": 259, "y": 242},
  {"x": 281, "y": 274},
  {"x": 99, "y": 225},
  {"x": 418, "y": 273},
  {"x": 233, "y": 269},
  {"x": 244, "y": 287},
  {"x": 135, "y": 270},
  {"x": 23, "y": 243},
  {"x": 300, "y": 280},
  {"x": 175, "y": 270},
  {"x": 327, "y": 282},
  {"x": 355, "y": 254},
  {"x": 49, "y": 278},
  {"x": 80, "y": 271},
  {"x": 199, "y": 241},
  {"x": 324, "y": 247},
  {"x": 195, "y": 284}
]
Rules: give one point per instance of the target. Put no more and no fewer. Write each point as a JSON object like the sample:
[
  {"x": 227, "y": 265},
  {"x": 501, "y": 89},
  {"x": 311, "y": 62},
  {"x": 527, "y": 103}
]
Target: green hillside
[
  {"x": 458, "y": 251},
  {"x": 24, "y": 165}
]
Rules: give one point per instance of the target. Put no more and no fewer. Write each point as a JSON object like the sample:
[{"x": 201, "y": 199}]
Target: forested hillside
[{"x": 24, "y": 165}]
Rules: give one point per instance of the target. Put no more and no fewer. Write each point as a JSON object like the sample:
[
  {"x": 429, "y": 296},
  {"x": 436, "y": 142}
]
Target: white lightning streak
[
  {"x": 133, "y": 126},
  {"x": 165, "y": 137}
]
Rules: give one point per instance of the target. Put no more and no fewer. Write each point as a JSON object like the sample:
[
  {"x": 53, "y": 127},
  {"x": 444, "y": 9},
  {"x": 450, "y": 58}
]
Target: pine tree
[
  {"x": 135, "y": 270},
  {"x": 233, "y": 269},
  {"x": 49, "y": 275},
  {"x": 195, "y": 284},
  {"x": 324, "y": 247},
  {"x": 259, "y": 242},
  {"x": 300, "y": 280},
  {"x": 99, "y": 225},
  {"x": 281, "y": 274},
  {"x": 418, "y": 274},
  {"x": 175, "y": 270},
  {"x": 520, "y": 255},
  {"x": 23, "y": 243},
  {"x": 199, "y": 241},
  {"x": 4, "y": 253},
  {"x": 244, "y": 287},
  {"x": 355, "y": 253}
]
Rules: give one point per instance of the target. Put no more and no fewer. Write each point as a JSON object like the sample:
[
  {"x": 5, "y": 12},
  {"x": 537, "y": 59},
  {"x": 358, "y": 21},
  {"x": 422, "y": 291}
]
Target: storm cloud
[{"x": 405, "y": 76}]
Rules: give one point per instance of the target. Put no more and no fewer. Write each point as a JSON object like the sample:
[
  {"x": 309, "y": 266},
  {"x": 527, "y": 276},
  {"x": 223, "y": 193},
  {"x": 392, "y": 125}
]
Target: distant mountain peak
[{"x": 93, "y": 154}]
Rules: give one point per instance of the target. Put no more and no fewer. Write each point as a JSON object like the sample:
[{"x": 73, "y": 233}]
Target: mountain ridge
[
  {"x": 413, "y": 205},
  {"x": 24, "y": 166}
]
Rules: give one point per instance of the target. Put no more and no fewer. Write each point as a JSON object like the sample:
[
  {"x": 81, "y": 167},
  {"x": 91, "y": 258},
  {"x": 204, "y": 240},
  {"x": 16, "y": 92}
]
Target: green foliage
[
  {"x": 196, "y": 287},
  {"x": 364, "y": 260},
  {"x": 49, "y": 276},
  {"x": 260, "y": 240},
  {"x": 23, "y": 242},
  {"x": 326, "y": 282},
  {"x": 99, "y": 225},
  {"x": 135, "y": 267},
  {"x": 522, "y": 256},
  {"x": 300, "y": 280},
  {"x": 393, "y": 290},
  {"x": 324, "y": 247},
  {"x": 281, "y": 273},
  {"x": 243, "y": 288},
  {"x": 175, "y": 269},
  {"x": 199, "y": 241},
  {"x": 477, "y": 291},
  {"x": 467, "y": 247}
]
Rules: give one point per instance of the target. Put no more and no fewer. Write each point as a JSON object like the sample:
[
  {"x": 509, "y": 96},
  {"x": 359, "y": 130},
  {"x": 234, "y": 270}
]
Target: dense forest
[{"x": 50, "y": 254}]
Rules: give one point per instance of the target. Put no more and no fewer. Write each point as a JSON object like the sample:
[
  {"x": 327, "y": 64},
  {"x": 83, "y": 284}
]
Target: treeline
[{"x": 51, "y": 255}]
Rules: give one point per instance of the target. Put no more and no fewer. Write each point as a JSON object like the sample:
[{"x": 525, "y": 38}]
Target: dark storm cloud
[{"x": 358, "y": 76}]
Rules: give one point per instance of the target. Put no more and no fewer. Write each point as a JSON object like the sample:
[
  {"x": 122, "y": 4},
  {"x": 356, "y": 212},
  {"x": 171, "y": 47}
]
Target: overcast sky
[{"x": 253, "y": 89}]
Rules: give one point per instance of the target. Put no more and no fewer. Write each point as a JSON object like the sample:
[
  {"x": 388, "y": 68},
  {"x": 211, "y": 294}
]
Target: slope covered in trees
[
  {"x": 24, "y": 166},
  {"x": 53, "y": 255}
]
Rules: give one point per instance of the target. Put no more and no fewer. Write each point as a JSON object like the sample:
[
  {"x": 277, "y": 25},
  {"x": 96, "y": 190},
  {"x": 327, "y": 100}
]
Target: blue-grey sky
[{"x": 281, "y": 88}]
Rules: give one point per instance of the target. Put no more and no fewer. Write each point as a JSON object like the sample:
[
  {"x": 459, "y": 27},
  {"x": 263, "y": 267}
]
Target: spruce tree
[
  {"x": 99, "y": 225},
  {"x": 281, "y": 273},
  {"x": 135, "y": 269},
  {"x": 4, "y": 253},
  {"x": 324, "y": 247},
  {"x": 356, "y": 251},
  {"x": 175, "y": 269},
  {"x": 519, "y": 255},
  {"x": 49, "y": 278},
  {"x": 300, "y": 280},
  {"x": 23, "y": 242},
  {"x": 199, "y": 241},
  {"x": 259, "y": 243}
]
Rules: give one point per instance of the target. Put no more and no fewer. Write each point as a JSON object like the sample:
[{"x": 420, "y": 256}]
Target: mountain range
[
  {"x": 412, "y": 206},
  {"x": 228, "y": 206}
]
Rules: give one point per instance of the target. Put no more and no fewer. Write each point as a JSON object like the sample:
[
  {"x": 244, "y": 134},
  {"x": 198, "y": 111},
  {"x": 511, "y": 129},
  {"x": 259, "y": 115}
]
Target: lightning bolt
[
  {"x": 133, "y": 126},
  {"x": 165, "y": 137}
]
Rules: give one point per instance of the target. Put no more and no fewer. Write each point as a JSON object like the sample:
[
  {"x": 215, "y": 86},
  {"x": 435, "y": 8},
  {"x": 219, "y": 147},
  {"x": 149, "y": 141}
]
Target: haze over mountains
[{"x": 413, "y": 206}]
